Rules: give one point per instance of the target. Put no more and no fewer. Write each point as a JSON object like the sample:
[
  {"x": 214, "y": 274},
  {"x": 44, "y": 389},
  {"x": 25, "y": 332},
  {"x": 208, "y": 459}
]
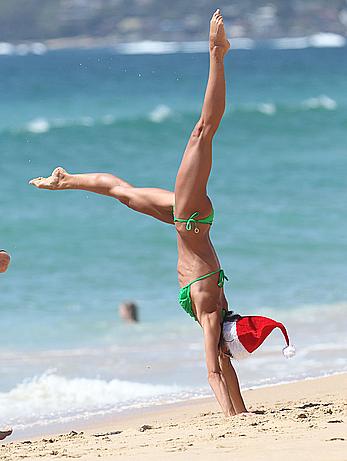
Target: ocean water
[{"x": 279, "y": 191}]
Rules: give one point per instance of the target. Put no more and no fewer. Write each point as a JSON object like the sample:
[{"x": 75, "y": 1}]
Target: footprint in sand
[
  {"x": 145, "y": 427},
  {"x": 258, "y": 412},
  {"x": 107, "y": 433}
]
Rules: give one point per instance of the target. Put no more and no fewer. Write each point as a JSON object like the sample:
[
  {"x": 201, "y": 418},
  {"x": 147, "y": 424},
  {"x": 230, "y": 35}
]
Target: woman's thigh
[
  {"x": 157, "y": 203},
  {"x": 206, "y": 296}
]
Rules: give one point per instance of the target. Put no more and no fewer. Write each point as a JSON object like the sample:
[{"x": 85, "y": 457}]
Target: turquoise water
[{"x": 279, "y": 190}]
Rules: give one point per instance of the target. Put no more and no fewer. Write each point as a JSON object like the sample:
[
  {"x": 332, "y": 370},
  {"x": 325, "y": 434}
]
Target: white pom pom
[{"x": 288, "y": 351}]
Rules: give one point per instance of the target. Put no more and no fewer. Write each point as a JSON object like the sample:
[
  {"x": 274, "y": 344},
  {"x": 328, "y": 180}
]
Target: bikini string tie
[
  {"x": 221, "y": 279},
  {"x": 191, "y": 220}
]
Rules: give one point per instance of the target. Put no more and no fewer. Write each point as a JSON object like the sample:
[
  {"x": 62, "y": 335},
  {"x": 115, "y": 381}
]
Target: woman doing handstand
[{"x": 190, "y": 209}]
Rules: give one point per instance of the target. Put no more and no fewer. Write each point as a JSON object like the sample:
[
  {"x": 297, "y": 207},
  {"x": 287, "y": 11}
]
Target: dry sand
[{"x": 306, "y": 420}]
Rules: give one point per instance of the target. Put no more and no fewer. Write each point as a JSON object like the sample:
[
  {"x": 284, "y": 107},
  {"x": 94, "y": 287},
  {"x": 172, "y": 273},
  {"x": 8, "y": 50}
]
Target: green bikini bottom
[{"x": 184, "y": 297}]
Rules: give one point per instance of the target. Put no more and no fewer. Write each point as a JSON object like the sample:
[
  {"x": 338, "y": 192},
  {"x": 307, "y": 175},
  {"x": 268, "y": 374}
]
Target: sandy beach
[{"x": 306, "y": 420}]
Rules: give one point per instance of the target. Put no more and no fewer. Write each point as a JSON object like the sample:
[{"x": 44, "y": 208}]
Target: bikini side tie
[
  {"x": 191, "y": 220},
  {"x": 221, "y": 278}
]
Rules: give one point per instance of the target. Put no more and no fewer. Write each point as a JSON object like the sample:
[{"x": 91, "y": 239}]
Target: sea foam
[
  {"x": 22, "y": 49},
  {"x": 160, "y": 113},
  {"x": 163, "y": 112},
  {"x": 320, "y": 40},
  {"x": 320, "y": 102},
  {"x": 53, "y": 398},
  {"x": 38, "y": 125}
]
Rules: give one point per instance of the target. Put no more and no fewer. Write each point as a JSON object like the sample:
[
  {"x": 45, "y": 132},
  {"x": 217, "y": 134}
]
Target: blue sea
[{"x": 279, "y": 191}]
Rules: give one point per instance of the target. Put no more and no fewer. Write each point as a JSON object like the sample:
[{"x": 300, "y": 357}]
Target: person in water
[
  {"x": 190, "y": 209},
  {"x": 4, "y": 261},
  {"x": 128, "y": 312}
]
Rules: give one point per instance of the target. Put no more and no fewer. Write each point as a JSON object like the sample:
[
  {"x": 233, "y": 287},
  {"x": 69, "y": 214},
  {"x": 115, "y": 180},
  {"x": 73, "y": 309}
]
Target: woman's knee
[
  {"x": 122, "y": 194},
  {"x": 204, "y": 131}
]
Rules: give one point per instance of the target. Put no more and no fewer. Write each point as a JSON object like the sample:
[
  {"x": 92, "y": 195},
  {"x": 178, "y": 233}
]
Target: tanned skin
[
  {"x": 4, "y": 261},
  {"x": 196, "y": 254}
]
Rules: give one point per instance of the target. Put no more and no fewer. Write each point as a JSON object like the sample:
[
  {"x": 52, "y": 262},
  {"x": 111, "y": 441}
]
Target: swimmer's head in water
[
  {"x": 4, "y": 261},
  {"x": 128, "y": 312}
]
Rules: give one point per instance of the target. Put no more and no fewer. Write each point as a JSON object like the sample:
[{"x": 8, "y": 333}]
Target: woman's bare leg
[
  {"x": 60, "y": 179},
  {"x": 157, "y": 203},
  {"x": 193, "y": 174}
]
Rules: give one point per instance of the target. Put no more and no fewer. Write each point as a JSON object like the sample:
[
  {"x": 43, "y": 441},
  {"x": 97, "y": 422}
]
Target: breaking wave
[
  {"x": 320, "y": 40},
  {"x": 163, "y": 113},
  {"x": 52, "y": 398}
]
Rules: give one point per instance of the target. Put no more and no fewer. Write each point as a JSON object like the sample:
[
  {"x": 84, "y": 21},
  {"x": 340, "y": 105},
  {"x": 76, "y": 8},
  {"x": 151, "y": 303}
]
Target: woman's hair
[{"x": 131, "y": 310}]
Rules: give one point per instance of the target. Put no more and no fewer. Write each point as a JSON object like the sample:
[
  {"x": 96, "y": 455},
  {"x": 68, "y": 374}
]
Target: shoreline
[
  {"x": 307, "y": 416},
  {"x": 82, "y": 423}
]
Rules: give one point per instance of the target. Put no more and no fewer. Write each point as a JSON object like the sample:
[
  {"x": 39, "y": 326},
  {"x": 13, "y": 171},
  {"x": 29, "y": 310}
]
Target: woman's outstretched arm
[
  {"x": 154, "y": 202},
  {"x": 232, "y": 384},
  {"x": 210, "y": 323}
]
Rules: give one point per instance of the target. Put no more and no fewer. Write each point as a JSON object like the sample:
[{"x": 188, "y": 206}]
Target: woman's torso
[
  {"x": 196, "y": 254},
  {"x": 197, "y": 257}
]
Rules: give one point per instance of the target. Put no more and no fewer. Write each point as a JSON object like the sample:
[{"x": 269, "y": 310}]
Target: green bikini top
[{"x": 193, "y": 220}]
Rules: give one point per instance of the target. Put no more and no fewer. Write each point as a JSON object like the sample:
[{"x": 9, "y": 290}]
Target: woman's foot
[
  {"x": 218, "y": 38},
  {"x": 4, "y": 261},
  {"x": 57, "y": 181}
]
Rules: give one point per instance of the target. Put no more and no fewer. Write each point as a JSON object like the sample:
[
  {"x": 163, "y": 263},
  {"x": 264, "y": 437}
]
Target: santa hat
[{"x": 243, "y": 335}]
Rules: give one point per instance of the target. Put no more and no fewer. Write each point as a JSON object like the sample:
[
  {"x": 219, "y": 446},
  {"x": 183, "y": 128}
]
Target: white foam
[
  {"x": 51, "y": 397},
  {"x": 320, "y": 40},
  {"x": 87, "y": 121},
  {"x": 267, "y": 108},
  {"x": 242, "y": 43},
  {"x": 148, "y": 47},
  {"x": 42, "y": 125},
  {"x": 22, "y": 49},
  {"x": 160, "y": 113},
  {"x": 38, "y": 125},
  {"x": 38, "y": 48},
  {"x": 6, "y": 48},
  {"x": 290, "y": 43},
  {"x": 270, "y": 108},
  {"x": 327, "y": 40},
  {"x": 239, "y": 43},
  {"x": 194, "y": 47},
  {"x": 320, "y": 102},
  {"x": 158, "y": 47}
]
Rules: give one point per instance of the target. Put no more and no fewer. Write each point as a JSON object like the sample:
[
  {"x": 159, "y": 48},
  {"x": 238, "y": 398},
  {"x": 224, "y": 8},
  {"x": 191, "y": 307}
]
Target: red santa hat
[{"x": 243, "y": 335}]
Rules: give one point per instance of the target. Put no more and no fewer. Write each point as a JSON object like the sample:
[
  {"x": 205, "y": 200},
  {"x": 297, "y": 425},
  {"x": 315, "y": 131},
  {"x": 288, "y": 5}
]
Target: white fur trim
[
  {"x": 234, "y": 346},
  {"x": 289, "y": 351}
]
